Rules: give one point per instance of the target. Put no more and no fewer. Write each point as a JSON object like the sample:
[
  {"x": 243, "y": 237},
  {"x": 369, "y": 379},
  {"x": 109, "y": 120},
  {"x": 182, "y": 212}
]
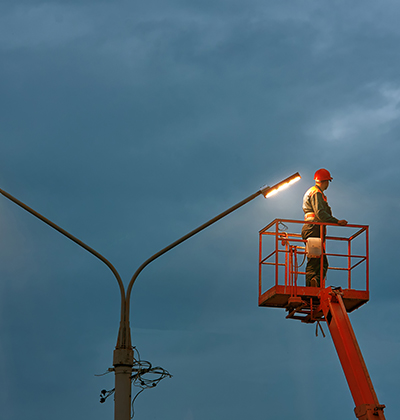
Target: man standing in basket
[{"x": 316, "y": 209}]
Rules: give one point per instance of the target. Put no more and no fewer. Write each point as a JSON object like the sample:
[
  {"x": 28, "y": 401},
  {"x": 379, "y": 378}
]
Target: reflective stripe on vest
[{"x": 309, "y": 217}]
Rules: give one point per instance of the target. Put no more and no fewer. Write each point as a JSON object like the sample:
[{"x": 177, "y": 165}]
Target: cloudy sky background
[{"x": 130, "y": 124}]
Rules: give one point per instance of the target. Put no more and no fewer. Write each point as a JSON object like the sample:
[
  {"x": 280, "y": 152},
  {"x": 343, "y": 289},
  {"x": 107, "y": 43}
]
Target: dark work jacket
[
  {"x": 316, "y": 206},
  {"x": 316, "y": 209}
]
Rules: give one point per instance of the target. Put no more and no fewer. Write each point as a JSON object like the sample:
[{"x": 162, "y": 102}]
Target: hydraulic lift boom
[{"x": 351, "y": 359}]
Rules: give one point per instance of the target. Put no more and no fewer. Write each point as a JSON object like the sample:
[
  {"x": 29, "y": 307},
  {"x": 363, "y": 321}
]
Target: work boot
[{"x": 314, "y": 282}]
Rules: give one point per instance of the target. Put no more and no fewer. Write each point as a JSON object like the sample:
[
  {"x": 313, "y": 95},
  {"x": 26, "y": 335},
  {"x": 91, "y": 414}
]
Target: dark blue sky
[{"x": 131, "y": 123}]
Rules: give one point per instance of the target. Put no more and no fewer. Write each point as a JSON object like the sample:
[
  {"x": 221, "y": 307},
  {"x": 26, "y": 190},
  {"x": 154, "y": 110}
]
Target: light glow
[{"x": 269, "y": 191}]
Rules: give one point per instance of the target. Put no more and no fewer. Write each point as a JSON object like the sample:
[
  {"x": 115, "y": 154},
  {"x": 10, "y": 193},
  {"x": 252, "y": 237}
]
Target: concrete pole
[{"x": 123, "y": 362}]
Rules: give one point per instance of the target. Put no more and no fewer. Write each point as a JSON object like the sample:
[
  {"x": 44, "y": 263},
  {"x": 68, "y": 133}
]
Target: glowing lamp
[{"x": 268, "y": 191}]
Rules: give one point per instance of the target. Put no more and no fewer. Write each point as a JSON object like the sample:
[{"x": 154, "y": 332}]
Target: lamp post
[{"x": 123, "y": 353}]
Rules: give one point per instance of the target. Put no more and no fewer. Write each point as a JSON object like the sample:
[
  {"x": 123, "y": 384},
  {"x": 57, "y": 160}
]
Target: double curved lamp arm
[{"x": 124, "y": 338}]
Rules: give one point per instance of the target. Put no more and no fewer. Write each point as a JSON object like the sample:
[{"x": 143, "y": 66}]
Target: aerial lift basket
[{"x": 281, "y": 267}]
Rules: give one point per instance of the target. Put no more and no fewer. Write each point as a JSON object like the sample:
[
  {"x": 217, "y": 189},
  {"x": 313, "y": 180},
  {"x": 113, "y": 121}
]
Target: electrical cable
[
  {"x": 316, "y": 329},
  {"x": 142, "y": 377},
  {"x": 304, "y": 258}
]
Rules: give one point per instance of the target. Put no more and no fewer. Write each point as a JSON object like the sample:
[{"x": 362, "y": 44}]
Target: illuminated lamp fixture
[{"x": 268, "y": 191}]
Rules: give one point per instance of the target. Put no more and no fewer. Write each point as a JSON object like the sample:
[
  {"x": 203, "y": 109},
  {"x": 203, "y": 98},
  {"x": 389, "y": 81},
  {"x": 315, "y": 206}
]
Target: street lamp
[{"x": 123, "y": 353}]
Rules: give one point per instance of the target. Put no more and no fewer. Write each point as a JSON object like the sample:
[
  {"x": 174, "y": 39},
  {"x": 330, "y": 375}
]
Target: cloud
[
  {"x": 42, "y": 26},
  {"x": 360, "y": 121}
]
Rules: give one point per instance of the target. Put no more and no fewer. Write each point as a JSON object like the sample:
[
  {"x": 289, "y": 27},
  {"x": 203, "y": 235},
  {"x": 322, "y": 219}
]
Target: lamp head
[{"x": 268, "y": 191}]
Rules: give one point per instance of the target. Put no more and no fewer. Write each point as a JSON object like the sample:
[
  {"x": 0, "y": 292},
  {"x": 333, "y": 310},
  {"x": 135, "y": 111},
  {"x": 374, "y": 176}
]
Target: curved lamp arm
[
  {"x": 76, "y": 240},
  {"x": 179, "y": 241},
  {"x": 266, "y": 191}
]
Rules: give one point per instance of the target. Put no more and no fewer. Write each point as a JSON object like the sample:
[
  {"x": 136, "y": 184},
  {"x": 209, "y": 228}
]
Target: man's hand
[{"x": 342, "y": 222}]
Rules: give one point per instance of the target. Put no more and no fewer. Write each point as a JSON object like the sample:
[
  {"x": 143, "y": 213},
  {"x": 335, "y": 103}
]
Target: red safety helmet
[{"x": 322, "y": 175}]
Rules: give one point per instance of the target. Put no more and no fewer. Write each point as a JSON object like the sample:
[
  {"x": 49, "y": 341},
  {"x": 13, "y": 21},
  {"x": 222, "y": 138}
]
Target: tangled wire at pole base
[{"x": 144, "y": 376}]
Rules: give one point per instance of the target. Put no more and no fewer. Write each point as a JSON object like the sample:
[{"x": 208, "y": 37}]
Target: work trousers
[{"x": 313, "y": 269}]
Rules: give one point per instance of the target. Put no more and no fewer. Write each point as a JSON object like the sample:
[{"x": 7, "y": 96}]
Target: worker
[{"x": 316, "y": 209}]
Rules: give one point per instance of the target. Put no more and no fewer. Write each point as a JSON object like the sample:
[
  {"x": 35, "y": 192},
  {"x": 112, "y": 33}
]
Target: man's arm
[{"x": 322, "y": 210}]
